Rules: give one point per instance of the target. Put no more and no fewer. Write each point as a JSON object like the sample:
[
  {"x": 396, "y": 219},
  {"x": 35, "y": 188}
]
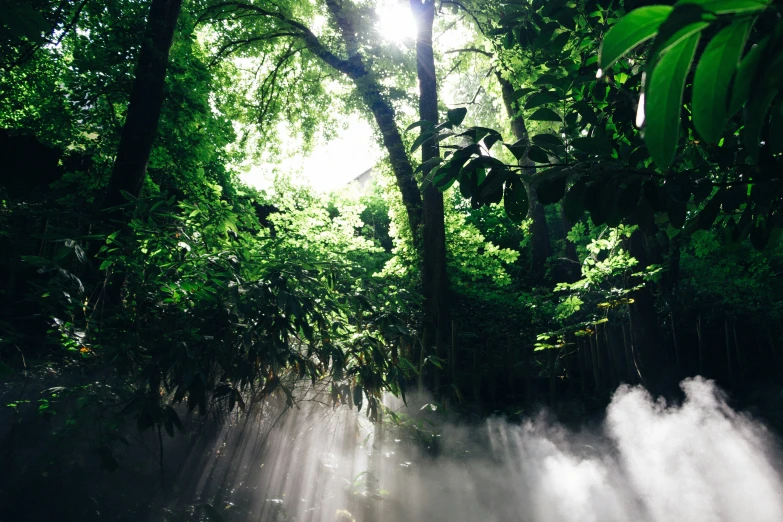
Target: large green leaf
[
  {"x": 681, "y": 25},
  {"x": 634, "y": 28},
  {"x": 713, "y": 77},
  {"x": 547, "y": 141},
  {"x": 520, "y": 93},
  {"x": 754, "y": 119},
  {"x": 551, "y": 189},
  {"x": 728, "y": 6},
  {"x": 745, "y": 74},
  {"x": 537, "y": 154},
  {"x": 591, "y": 145},
  {"x": 664, "y": 100},
  {"x": 540, "y": 98},
  {"x": 764, "y": 88},
  {"x": 515, "y": 199},
  {"x": 544, "y": 115},
  {"x": 455, "y": 116},
  {"x": 574, "y": 201}
]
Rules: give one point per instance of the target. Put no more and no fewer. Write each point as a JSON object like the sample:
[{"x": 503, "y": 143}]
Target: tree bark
[
  {"x": 434, "y": 278},
  {"x": 383, "y": 113},
  {"x": 371, "y": 92},
  {"x": 146, "y": 100},
  {"x": 648, "y": 343},
  {"x": 540, "y": 245}
]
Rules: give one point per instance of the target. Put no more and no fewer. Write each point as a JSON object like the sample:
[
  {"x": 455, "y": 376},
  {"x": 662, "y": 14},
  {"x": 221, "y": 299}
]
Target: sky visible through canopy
[{"x": 333, "y": 164}]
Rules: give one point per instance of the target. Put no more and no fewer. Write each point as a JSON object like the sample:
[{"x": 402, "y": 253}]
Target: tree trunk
[
  {"x": 594, "y": 362},
  {"x": 540, "y": 245},
  {"x": 434, "y": 279},
  {"x": 630, "y": 373},
  {"x": 729, "y": 365},
  {"x": 146, "y": 100},
  {"x": 369, "y": 88},
  {"x": 648, "y": 353},
  {"x": 383, "y": 113},
  {"x": 573, "y": 268}
]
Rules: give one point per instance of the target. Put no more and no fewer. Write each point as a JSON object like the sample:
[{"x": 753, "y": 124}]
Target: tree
[
  {"x": 146, "y": 100},
  {"x": 539, "y": 231},
  {"x": 434, "y": 278},
  {"x": 424, "y": 211}
]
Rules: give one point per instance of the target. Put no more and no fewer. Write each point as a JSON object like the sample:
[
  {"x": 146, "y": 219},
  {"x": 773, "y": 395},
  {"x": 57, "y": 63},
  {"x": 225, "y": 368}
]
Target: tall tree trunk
[
  {"x": 540, "y": 245},
  {"x": 573, "y": 267},
  {"x": 383, "y": 113},
  {"x": 371, "y": 92},
  {"x": 648, "y": 341},
  {"x": 146, "y": 100},
  {"x": 435, "y": 282}
]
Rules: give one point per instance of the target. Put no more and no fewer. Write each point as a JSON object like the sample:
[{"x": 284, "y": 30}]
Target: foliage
[{"x": 216, "y": 296}]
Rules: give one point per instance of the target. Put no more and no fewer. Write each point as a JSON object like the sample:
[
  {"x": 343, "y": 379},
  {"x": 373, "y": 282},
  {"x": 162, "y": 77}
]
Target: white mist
[{"x": 696, "y": 462}]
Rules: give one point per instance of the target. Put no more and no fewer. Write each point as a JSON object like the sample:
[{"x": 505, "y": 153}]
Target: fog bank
[{"x": 699, "y": 461}]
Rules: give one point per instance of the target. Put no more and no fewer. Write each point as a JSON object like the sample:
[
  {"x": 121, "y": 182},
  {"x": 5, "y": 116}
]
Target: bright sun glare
[{"x": 396, "y": 23}]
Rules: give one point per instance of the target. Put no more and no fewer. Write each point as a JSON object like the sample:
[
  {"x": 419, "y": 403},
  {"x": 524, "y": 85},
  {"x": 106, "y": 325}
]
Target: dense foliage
[{"x": 611, "y": 207}]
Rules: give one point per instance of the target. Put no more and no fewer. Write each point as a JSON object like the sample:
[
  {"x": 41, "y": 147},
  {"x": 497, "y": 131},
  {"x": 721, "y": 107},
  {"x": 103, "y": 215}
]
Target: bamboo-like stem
[
  {"x": 629, "y": 366},
  {"x": 732, "y": 378},
  {"x": 701, "y": 345}
]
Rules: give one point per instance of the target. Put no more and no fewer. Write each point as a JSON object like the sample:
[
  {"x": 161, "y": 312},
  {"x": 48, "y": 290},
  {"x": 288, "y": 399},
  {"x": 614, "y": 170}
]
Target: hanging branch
[
  {"x": 235, "y": 45},
  {"x": 312, "y": 42}
]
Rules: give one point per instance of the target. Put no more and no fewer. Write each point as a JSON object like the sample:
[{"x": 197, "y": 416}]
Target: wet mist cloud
[{"x": 699, "y": 461}]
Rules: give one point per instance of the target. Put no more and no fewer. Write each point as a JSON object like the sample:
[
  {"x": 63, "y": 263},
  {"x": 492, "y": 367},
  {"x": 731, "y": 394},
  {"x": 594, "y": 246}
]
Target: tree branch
[
  {"x": 312, "y": 42},
  {"x": 470, "y": 13},
  {"x": 471, "y": 50},
  {"x": 235, "y": 45},
  {"x": 346, "y": 27}
]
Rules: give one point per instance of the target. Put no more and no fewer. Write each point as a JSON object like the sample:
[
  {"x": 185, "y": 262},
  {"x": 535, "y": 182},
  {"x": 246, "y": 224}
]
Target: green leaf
[
  {"x": 173, "y": 418},
  {"x": 764, "y": 88},
  {"x": 551, "y": 190},
  {"x": 520, "y": 93},
  {"x": 544, "y": 115},
  {"x": 428, "y": 165},
  {"x": 713, "y": 77},
  {"x": 518, "y": 148},
  {"x": 37, "y": 261},
  {"x": 493, "y": 183},
  {"x": 515, "y": 199},
  {"x": 709, "y": 212},
  {"x": 721, "y": 7},
  {"x": 491, "y": 139},
  {"x": 537, "y": 154},
  {"x": 424, "y": 124},
  {"x": 683, "y": 22},
  {"x": 744, "y": 77},
  {"x": 540, "y": 98},
  {"x": 634, "y": 28},
  {"x": 547, "y": 141},
  {"x": 455, "y": 116},
  {"x": 591, "y": 145},
  {"x": 357, "y": 396},
  {"x": 561, "y": 40},
  {"x": 754, "y": 121},
  {"x": 664, "y": 101},
  {"x": 574, "y": 201},
  {"x": 776, "y": 128},
  {"x": 545, "y": 79},
  {"x": 418, "y": 142}
]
